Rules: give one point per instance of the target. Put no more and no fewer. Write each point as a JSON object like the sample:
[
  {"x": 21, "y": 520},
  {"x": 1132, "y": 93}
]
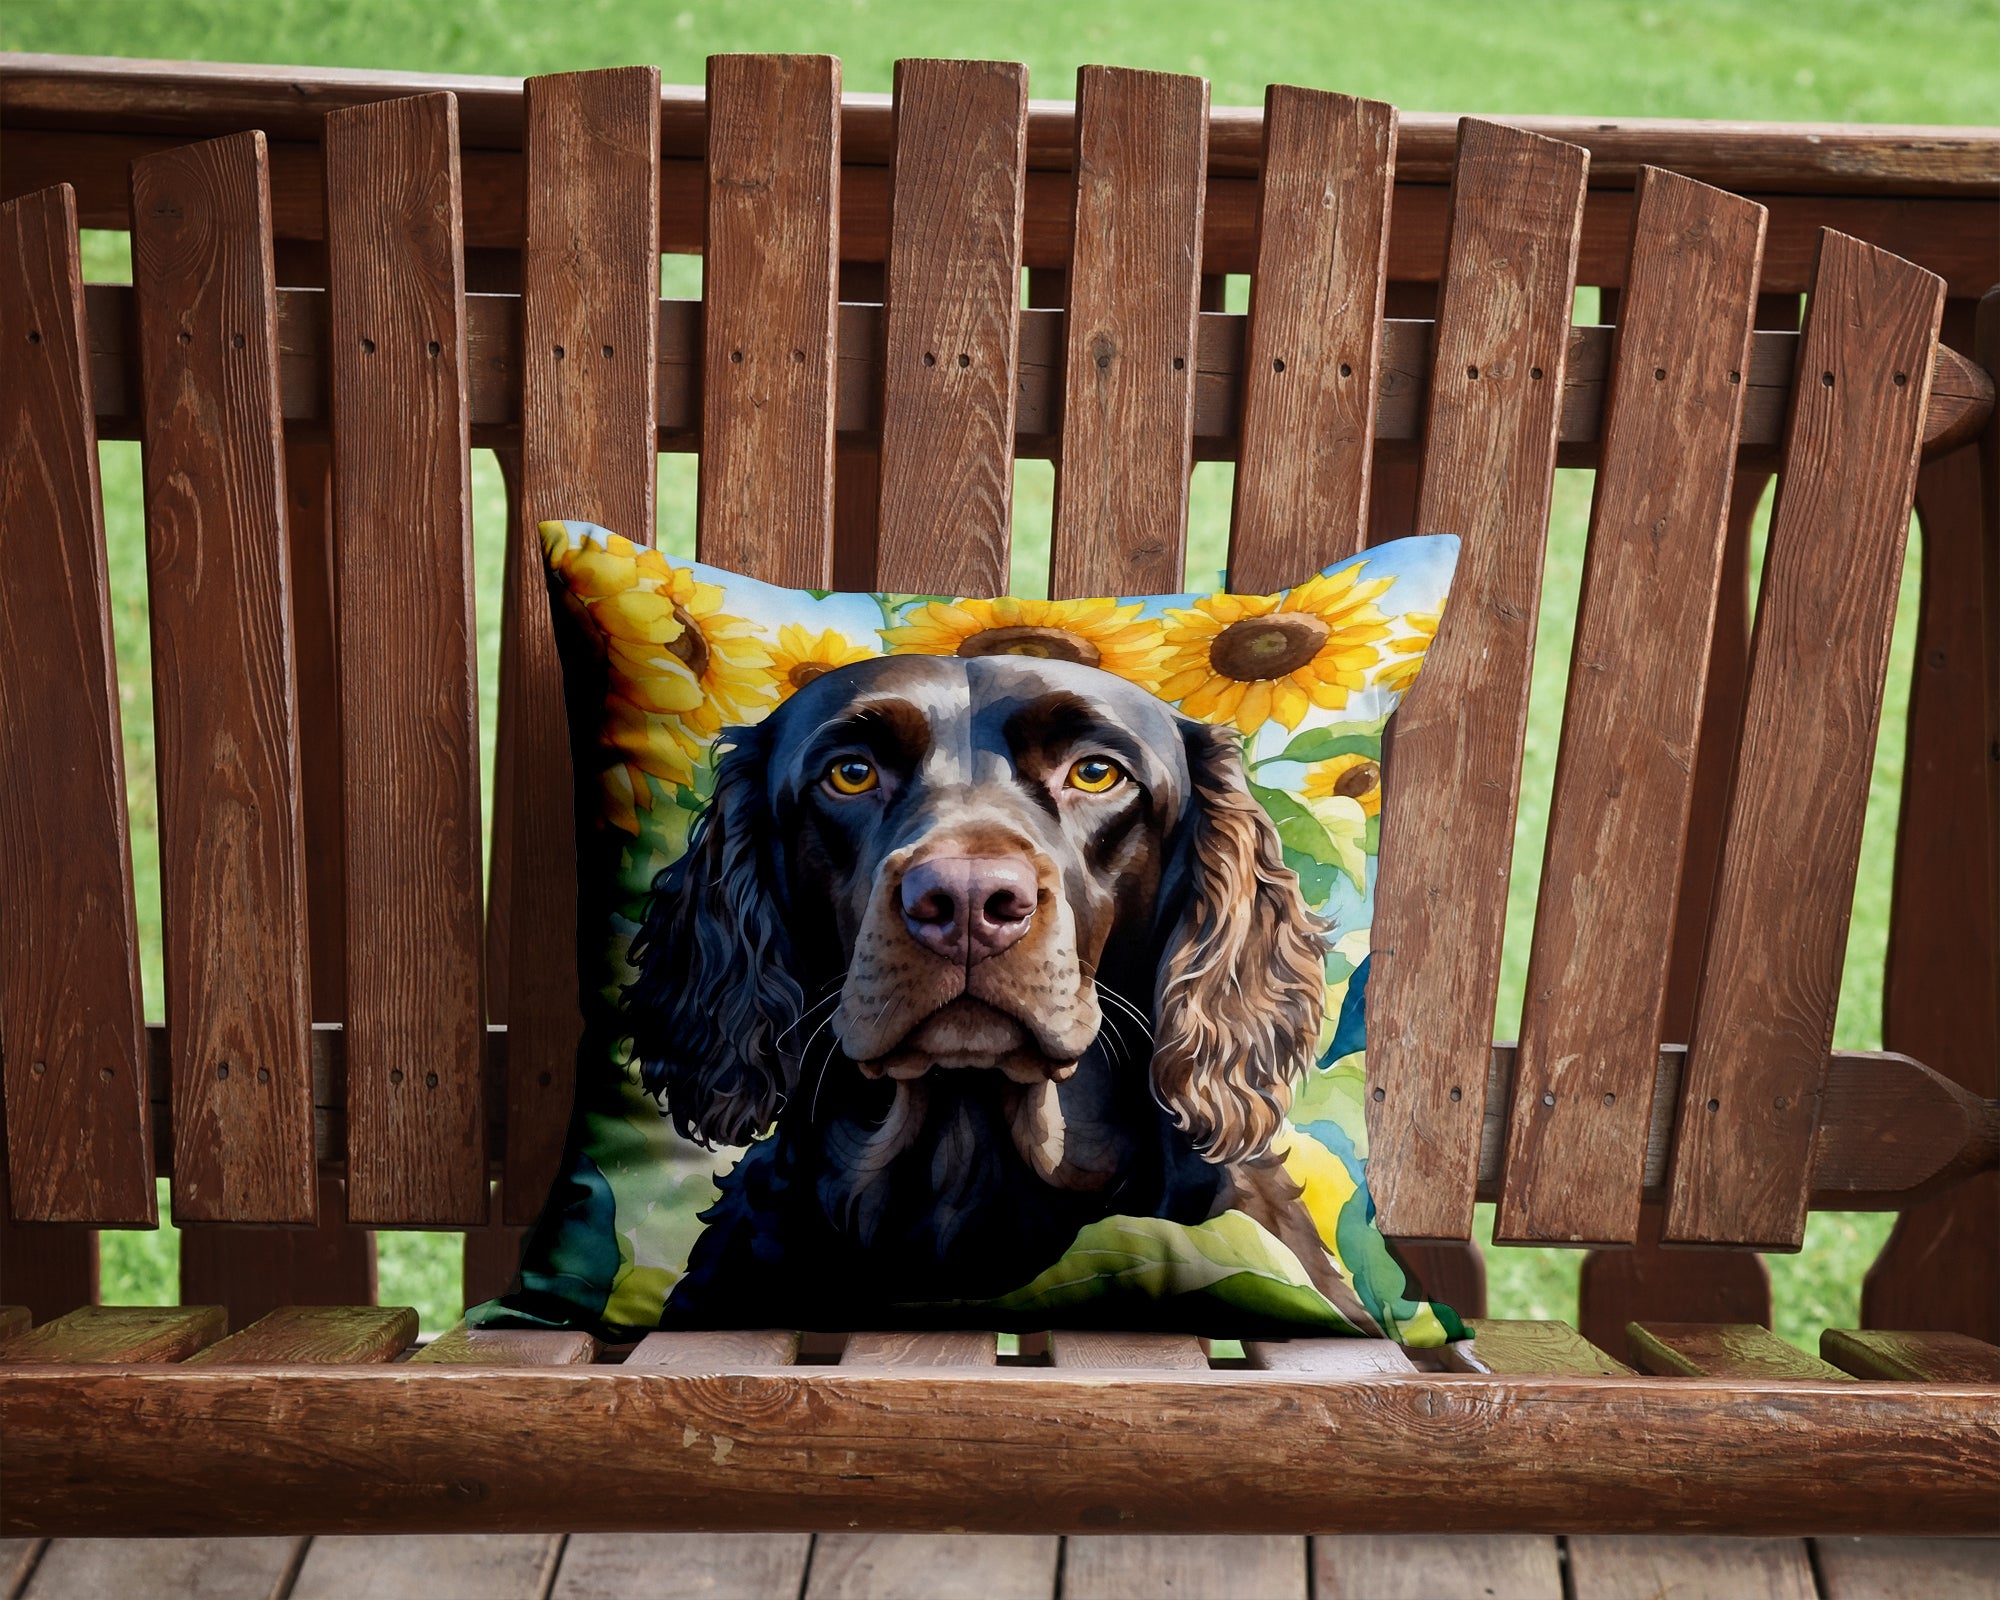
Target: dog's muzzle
[{"x": 968, "y": 909}]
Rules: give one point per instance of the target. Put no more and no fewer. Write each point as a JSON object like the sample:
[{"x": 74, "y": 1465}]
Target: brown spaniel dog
[{"x": 1002, "y": 946}]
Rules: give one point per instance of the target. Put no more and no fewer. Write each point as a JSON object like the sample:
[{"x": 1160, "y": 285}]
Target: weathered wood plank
[
  {"x": 47, "y": 1268},
  {"x": 1489, "y": 466},
  {"x": 1143, "y": 1352},
  {"x": 646, "y": 1566},
  {"x": 1313, "y": 343},
  {"x": 1346, "y": 1358},
  {"x": 1365, "y": 1566},
  {"x": 1129, "y": 334},
  {"x": 395, "y": 1448},
  {"x": 590, "y": 332},
  {"x": 1647, "y": 1281},
  {"x": 1626, "y": 1566},
  {"x": 770, "y": 276},
  {"x": 255, "y": 1271},
  {"x": 13, "y": 1320},
  {"x": 1213, "y": 1566},
  {"x": 1907, "y": 1569},
  {"x": 1597, "y": 969},
  {"x": 118, "y": 1334},
  {"x": 409, "y": 700},
  {"x": 920, "y": 1350},
  {"x": 316, "y": 1334},
  {"x": 1507, "y": 1347},
  {"x": 1914, "y": 1357},
  {"x": 479, "y": 1566},
  {"x": 232, "y": 868},
  {"x": 508, "y": 1347},
  {"x": 186, "y": 1569},
  {"x": 1764, "y": 1019},
  {"x": 933, "y": 1566},
  {"x": 722, "y": 1350},
  {"x": 78, "y": 1140},
  {"x": 1721, "y": 1350},
  {"x": 951, "y": 325}
]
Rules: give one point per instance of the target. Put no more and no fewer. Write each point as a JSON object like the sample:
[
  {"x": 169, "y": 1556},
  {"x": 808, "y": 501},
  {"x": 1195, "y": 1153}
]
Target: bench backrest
[{"x": 334, "y": 954}]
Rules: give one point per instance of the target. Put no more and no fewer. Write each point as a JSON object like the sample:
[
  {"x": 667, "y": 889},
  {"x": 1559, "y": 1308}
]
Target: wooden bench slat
[
  {"x": 1244, "y": 1566},
  {"x": 1129, "y": 334},
  {"x": 589, "y": 341},
  {"x": 1509, "y": 1347},
  {"x": 1721, "y": 1350},
  {"x": 921, "y": 1350},
  {"x": 1614, "y": 1566},
  {"x": 323, "y": 1335},
  {"x": 1348, "y": 1358},
  {"x": 1597, "y": 971},
  {"x": 1750, "y": 1097},
  {"x": 78, "y": 1140},
  {"x": 720, "y": 1350},
  {"x": 14, "y": 1320},
  {"x": 634, "y": 1566},
  {"x": 490, "y": 1566},
  {"x": 951, "y": 326},
  {"x": 1912, "y": 1357},
  {"x": 255, "y": 1271},
  {"x": 1414, "y": 1566},
  {"x": 1489, "y": 468},
  {"x": 508, "y": 1347},
  {"x": 1314, "y": 337},
  {"x": 99, "y": 1335},
  {"x": 933, "y": 1566},
  {"x": 409, "y": 700},
  {"x": 769, "y": 281},
  {"x": 232, "y": 867},
  {"x": 1146, "y": 1352}
]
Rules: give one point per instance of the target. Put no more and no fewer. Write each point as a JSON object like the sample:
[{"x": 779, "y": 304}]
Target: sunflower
[
  {"x": 1356, "y": 776},
  {"x": 1400, "y": 674},
  {"x": 1253, "y": 659},
  {"x": 1096, "y": 633},
  {"x": 800, "y": 657}
]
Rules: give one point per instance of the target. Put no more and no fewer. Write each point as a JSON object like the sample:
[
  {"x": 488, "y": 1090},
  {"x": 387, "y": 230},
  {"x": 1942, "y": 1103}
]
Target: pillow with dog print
[{"x": 993, "y": 963}]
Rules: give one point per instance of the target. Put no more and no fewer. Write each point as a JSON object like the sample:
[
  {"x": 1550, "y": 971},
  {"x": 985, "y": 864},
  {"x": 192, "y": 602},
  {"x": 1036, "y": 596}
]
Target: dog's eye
[
  {"x": 851, "y": 775},
  {"x": 1095, "y": 775}
]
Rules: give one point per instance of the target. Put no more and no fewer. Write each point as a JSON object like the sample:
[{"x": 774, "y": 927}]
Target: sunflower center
[
  {"x": 691, "y": 647},
  {"x": 805, "y": 672},
  {"x": 1051, "y": 644},
  {"x": 1268, "y": 647},
  {"x": 1358, "y": 780}
]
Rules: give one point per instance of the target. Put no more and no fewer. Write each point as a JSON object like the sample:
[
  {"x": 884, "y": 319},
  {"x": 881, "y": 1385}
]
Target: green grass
[{"x": 1857, "y": 60}]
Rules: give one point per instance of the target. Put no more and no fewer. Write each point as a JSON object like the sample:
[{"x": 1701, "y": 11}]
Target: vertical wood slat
[
  {"x": 253, "y": 1271},
  {"x": 951, "y": 326},
  {"x": 1771, "y": 977},
  {"x": 589, "y": 340},
  {"x": 409, "y": 699},
  {"x": 1489, "y": 470},
  {"x": 770, "y": 352},
  {"x": 1597, "y": 971},
  {"x": 48, "y": 1267},
  {"x": 232, "y": 867},
  {"x": 79, "y": 1140},
  {"x": 1314, "y": 338},
  {"x": 1129, "y": 336}
]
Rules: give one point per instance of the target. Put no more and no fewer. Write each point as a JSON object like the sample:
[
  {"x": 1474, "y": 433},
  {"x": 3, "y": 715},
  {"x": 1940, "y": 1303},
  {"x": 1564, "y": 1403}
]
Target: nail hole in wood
[
  {"x": 1736, "y": 377},
  {"x": 34, "y": 336},
  {"x": 1901, "y": 379},
  {"x": 964, "y": 360},
  {"x": 1715, "y": 1105},
  {"x": 930, "y": 358},
  {"x": 396, "y": 1076},
  {"x": 1611, "y": 1099},
  {"x": 236, "y": 340},
  {"x": 1535, "y": 373},
  {"x": 736, "y": 355},
  {"x": 434, "y": 348},
  {"x": 544, "y": 1078},
  {"x": 185, "y": 337},
  {"x": 1472, "y": 372},
  {"x": 1180, "y": 363},
  {"x": 263, "y": 1074},
  {"x": 1345, "y": 370},
  {"x": 1826, "y": 380},
  {"x": 222, "y": 1071},
  {"x": 1457, "y": 1095},
  {"x": 798, "y": 355},
  {"x": 560, "y": 352},
  {"x": 39, "y": 1068},
  {"x": 1278, "y": 365},
  {"x": 1378, "y": 1096},
  {"x": 430, "y": 1080},
  {"x": 105, "y": 1074},
  {"x": 367, "y": 347},
  {"x": 1547, "y": 1098},
  {"x": 1659, "y": 374},
  {"x": 605, "y": 351}
]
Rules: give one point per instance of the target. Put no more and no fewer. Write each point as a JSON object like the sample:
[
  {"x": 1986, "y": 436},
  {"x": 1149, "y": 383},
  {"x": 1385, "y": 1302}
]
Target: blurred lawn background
[{"x": 1837, "y": 60}]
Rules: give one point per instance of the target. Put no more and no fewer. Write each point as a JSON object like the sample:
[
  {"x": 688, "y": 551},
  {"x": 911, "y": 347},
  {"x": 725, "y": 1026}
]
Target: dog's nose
[{"x": 967, "y": 908}]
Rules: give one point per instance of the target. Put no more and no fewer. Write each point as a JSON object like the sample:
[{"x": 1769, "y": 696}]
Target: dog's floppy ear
[
  {"x": 716, "y": 994},
  {"x": 1241, "y": 983}
]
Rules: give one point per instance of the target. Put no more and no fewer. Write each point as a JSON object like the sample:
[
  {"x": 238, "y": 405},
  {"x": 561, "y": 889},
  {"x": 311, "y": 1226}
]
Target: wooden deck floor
[{"x": 858, "y": 1566}]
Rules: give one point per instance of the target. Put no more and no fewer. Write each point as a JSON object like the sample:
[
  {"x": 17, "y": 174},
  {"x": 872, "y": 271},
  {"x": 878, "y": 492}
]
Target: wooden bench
[{"x": 342, "y": 283}]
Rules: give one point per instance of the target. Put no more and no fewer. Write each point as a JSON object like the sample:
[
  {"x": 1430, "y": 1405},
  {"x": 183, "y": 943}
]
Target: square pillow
[{"x": 991, "y": 963}]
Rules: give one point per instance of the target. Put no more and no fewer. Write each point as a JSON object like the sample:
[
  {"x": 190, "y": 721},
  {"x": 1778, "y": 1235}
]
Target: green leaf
[
  {"x": 1315, "y": 881},
  {"x": 1323, "y": 744},
  {"x": 1344, "y": 826}
]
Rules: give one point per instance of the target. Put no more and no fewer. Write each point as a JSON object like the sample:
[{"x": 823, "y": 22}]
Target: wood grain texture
[
  {"x": 951, "y": 323},
  {"x": 1489, "y": 464},
  {"x": 933, "y": 1566},
  {"x": 1330, "y": 1357},
  {"x": 14, "y": 1320},
  {"x": 769, "y": 281},
  {"x": 1215, "y": 1567},
  {"x": 1088, "y": 1349},
  {"x": 1907, "y": 1569},
  {"x": 721, "y": 1350},
  {"x": 1364, "y": 1566},
  {"x": 93, "y": 1335},
  {"x": 1129, "y": 334},
  {"x": 1597, "y": 969},
  {"x": 186, "y": 1569},
  {"x": 77, "y": 1131},
  {"x": 646, "y": 1566},
  {"x": 1639, "y": 1566},
  {"x": 232, "y": 866},
  {"x": 1314, "y": 337},
  {"x": 48, "y": 1267},
  {"x": 1721, "y": 1350},
  {"x": 920, "y": 1350},
  {"x": 254, "y": 1271},
  {"x": 316, "y": 1334},
  {"x": 1508, "y": 1347},
  {"x": 479, "y": 1566},
  {"x": 1916, "y": 1357},
  {"x": 1647, "y": 1282},
  {"x": 417, "y": 1448},
  {"x": 461, "y": 1346},
  {"x": 589, "y": 343},
  {"x": 1771, "y": 976},
  {"x": 493, "y": 1253},
  {"x": 409, "y": 700}
]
